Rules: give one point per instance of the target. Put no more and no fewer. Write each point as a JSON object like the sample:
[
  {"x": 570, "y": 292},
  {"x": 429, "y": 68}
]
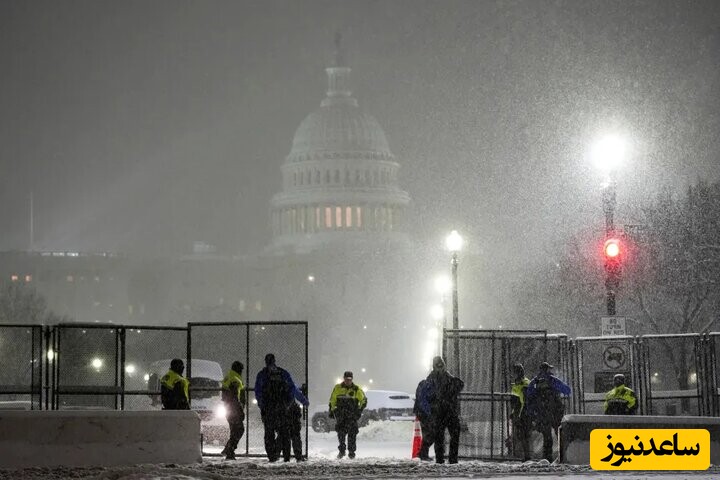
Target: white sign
[{"x": 612, "y": 326}]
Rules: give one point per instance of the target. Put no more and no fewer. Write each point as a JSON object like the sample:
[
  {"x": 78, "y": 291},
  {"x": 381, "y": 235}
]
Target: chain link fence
[{"x": 21, "y": 375}]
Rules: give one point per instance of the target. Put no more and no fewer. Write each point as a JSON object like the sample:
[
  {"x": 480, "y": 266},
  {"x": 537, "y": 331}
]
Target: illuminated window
[
  {"x": 28, "y": 278},
  {"x": 258, "y": 306},
  {"x": 70, "y": 278},
  {"x": 358, "y": 210},
  {"x": 338, "y": 217},
  {"x": 328, "y": 217},
  {"x": 317, "y": 218},
  {"x": 348, "y": 217},
  {"x": 14, "y": 278}
]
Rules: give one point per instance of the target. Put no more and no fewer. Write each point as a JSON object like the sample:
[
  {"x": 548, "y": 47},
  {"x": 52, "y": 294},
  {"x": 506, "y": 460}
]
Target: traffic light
[
  {"x": 612, "y": 249},
  {"x": 613, "y": 252}
]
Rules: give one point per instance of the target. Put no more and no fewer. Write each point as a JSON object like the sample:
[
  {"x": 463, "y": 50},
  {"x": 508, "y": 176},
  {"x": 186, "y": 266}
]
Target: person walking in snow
[
  {"x": 274, "y": 392},
  {"x": 174, "y": 388},
  {"x": 444, "y": 410},
  {"x": 347, "y": 401},
  {"x": 546, "y": 406},
  {"x": 233, "y": 396}
]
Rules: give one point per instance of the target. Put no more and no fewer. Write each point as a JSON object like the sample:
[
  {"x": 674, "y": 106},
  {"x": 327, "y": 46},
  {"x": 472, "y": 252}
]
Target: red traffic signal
[{"x": 612, "y": 248}]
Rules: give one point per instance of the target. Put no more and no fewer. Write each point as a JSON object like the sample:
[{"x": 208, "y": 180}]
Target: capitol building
[{"x": 340, "y": 180}]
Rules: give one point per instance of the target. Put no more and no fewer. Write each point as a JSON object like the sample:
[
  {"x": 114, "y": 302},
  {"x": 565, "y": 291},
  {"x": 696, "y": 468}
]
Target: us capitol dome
[{"x": 340, "y": 180}]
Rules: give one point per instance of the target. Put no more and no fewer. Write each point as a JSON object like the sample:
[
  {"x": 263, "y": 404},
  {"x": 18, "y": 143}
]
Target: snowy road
[{"x": 383, "y": 452}]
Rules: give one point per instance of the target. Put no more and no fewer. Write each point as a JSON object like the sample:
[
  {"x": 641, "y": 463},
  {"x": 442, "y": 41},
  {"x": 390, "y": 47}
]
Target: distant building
[{"x": 339, "y": 258}]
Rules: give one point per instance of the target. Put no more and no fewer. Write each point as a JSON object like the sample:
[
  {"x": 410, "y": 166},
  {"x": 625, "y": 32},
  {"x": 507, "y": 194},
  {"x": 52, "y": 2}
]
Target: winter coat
[
  {"x": 347, "y": 402},
  {"x": 620, "y": 401},
  {"x": 174, "y": 391},
  {"x": 233, "y": 391}
]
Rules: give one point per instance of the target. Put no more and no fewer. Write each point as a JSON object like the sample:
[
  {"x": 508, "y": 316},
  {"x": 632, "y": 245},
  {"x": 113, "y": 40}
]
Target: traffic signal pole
[{"x": 612, "y": 266}]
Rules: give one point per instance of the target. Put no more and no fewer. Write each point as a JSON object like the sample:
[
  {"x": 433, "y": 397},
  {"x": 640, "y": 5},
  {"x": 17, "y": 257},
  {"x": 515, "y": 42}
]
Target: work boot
[
  {"x": 351, "y": 455},
  {"x": 341, "y": 454},
  {"x": 301, "y": 459},
  {"x": 230, "y": 455}
]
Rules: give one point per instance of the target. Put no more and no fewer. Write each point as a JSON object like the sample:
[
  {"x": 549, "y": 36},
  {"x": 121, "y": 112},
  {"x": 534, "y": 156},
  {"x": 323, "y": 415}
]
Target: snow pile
[{"x": 380, "y": 431}]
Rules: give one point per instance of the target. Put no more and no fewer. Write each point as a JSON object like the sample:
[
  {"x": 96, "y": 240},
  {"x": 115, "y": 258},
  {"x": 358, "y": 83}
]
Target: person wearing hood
[
  {"x": 444, "y": 398},
  {"x": 233, "y": 396},
  {"x": 275, "y": 392}
]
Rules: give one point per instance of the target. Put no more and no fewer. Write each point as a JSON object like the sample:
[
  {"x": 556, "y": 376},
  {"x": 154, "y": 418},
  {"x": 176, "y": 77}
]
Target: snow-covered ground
[{"x": 383, "y": 452}]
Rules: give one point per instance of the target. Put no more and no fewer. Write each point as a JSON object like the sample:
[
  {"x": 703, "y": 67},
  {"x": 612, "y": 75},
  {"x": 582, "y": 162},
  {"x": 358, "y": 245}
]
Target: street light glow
[
  {"x": 97, "y": 363},
  {"x": 437, "y": 312},
  {"x": 454, "y": 242},
  {"x": 608, "y": 152},
  {"x": 443, "y": 284}
]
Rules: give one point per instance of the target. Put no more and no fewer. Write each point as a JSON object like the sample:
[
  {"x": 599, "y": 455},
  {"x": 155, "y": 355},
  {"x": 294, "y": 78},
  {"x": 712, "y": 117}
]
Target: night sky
[{"x": 143, "y": 126}]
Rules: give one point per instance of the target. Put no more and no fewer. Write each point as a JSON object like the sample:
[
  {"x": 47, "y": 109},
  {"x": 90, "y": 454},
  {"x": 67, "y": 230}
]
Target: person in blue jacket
[
  {"x": 275, "y": 392},
  {"x": 545, "y": 405},
  {"x": 421, "y": 408}
]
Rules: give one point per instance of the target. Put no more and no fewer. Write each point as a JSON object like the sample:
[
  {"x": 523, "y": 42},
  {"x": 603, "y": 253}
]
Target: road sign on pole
[{"x": 610, "y": 326}]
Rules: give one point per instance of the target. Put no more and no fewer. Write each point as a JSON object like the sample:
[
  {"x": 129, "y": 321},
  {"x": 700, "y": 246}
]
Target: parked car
[{"x": 382, "y": 405}]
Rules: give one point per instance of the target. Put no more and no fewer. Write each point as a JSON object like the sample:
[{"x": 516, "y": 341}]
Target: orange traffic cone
[{"x": 417, "y": 439}]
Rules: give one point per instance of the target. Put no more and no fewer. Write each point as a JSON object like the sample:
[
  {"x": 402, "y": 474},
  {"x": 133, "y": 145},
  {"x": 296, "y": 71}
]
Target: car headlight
[{"x": 220, "y": 411}]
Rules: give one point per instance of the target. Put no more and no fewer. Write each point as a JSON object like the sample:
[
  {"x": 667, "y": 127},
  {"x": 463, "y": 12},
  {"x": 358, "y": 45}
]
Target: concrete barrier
[
  {"x": 575, "y": 432},
  {"x": 74, "y": 438}
]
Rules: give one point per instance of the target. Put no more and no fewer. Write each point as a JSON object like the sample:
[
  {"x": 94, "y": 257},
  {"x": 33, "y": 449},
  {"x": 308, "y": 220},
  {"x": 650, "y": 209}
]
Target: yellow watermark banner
[{"x": 649, "y": 449}]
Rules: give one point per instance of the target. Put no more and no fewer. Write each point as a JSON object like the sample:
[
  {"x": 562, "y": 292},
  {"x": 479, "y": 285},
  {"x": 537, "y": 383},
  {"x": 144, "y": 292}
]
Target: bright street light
[
  {"x": 454, "y": 242},
  {"x": 608, "y": 152}
]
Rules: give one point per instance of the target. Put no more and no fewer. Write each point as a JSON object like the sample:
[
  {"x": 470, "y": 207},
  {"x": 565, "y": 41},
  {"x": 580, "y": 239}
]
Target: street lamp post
[
  {"x": 454, "y": 243},
  {"x": 607, "y": 154}
]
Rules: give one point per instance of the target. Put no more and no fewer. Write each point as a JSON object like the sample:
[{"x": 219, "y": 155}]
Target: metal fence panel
[
  {"x": 671, "y": 369},
  {"x": 250, "y": 342},
  {"x": 483, "y": 359},
  {"x": 597, "y": 361},
  {"x": 21, "y": 375},
  {"x": 144, "y": 351},
  {"x": 86, "y": 366}
]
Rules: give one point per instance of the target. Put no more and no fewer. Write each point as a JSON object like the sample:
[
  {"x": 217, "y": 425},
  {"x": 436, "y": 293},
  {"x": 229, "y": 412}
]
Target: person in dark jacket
[
  {"x": 347, "y": 401},
  {"x": 274, "y": 392},
  {"x": 421, "y": 408},
  {"x": 174, "y": 388},
  {"x": 521, "y": 422},
  {"x": 620, "y": 400},
  {"x": 296, "y": 416},
  {"x": 233, "y": 396},
  {"x": 444, "y": 410},
  {"x": 546, "y": 406}
]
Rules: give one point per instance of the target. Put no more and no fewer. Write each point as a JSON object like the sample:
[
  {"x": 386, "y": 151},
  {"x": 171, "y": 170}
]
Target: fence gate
[
  {"x": 672, "y": 370},
  {"x": 595, "y": 361},
  {"x": 483, "y": 360},
  {"x": 223, "y": 343},
  {"x": 21, "y": 358}
]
